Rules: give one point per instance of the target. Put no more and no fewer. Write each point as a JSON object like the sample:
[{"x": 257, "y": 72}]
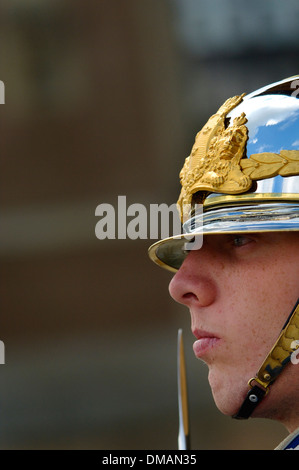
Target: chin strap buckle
[
  {"x": 253, "y": 398},
  {"x": 277, "y": 359}
]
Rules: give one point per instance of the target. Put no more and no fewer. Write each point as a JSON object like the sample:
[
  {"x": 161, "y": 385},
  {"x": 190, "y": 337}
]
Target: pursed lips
[{"x": 205, "y": 340}]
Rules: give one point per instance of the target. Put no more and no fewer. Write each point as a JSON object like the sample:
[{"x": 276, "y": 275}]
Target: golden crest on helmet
[
  {"x": 214, "y": 162},
  {"x": 218, "y": 162},
  {"x": 267, "y": 164}
]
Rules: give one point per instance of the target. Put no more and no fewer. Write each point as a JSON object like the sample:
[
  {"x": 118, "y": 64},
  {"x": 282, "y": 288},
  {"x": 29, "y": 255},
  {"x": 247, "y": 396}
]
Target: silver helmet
[{"x": 242, "y": 172}]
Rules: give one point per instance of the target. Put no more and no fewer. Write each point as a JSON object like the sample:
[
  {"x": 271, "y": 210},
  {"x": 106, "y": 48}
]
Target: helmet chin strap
[{"x": 277, "y": 359}]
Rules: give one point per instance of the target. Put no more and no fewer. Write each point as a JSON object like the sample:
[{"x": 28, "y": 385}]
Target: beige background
[{"x": 103, "y": 98}]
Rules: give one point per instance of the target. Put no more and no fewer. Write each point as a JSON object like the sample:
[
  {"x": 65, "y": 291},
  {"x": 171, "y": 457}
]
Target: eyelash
[{"x": 239, "y": 241}]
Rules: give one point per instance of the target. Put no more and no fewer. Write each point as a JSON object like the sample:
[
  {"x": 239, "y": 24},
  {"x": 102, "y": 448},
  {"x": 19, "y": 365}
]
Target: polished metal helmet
[{"x": 243, "y": 171}]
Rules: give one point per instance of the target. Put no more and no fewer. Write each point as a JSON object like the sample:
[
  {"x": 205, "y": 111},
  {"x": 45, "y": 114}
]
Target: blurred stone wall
[{"x": 103, "y": 98}]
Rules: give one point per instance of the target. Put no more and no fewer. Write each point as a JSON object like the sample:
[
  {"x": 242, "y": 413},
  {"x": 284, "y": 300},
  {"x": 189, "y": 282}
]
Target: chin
[
  {"x": 227, "y": 407},
  {"x": 228, "y": 396}
]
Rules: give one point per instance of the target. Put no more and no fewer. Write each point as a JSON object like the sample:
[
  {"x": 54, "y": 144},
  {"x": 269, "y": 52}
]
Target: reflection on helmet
[{"x": 243, "y": 168}]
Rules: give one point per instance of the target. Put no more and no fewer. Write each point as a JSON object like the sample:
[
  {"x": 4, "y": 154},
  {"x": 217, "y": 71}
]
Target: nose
[{"x": 193, "y": 284}]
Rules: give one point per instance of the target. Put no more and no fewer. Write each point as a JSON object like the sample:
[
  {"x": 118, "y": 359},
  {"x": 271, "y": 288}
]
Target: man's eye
[{"x": 241, "y": 240}]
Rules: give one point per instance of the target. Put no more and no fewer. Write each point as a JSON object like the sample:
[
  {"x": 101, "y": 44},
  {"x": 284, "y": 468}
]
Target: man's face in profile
[{"x": 240, "y": 290}]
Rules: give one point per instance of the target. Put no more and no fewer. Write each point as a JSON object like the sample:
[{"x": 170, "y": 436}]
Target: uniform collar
[{"x": 291, "y": 442}]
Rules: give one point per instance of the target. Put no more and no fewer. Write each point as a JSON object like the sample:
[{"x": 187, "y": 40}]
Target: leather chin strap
[{"x": 277, "y": 359}]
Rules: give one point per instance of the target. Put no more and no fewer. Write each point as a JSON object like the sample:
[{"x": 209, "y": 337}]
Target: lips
[{"x": 204, "y": 343}]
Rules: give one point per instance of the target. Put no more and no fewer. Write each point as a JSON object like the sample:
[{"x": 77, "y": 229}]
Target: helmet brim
[{"x": 170, "y": 252}]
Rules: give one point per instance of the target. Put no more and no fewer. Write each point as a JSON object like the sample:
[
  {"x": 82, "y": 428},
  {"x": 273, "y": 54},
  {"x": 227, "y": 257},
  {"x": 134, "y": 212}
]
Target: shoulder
[{"x": 291, "y": 442}]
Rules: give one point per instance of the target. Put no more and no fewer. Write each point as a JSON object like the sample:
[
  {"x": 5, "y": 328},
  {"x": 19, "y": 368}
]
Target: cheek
[
  {"x": 245, "y": 348},
  {"x": 254, "y": 314},
  {"x": 274, "y": 291},
  {"x": 261, "y": 297}
]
